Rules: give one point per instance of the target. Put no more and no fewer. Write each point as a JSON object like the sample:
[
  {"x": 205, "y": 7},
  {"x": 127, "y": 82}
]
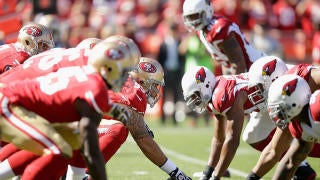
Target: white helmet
[
  {"x": 197, "y": 14},
  {"x": 149, "y": 73},
  {"x": 35, "y": 38},
  {"x": 197, "y": 85},
  {"x": 88, "y": 43},
  {"x": 287, "y": 96},
  {"x": 261, "y": 74}
]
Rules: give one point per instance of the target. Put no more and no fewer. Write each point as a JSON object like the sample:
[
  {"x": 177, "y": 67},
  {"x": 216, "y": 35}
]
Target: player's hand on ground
[
  {"x": 177, "y": 174},
  {"x": 204, "y": 177}
]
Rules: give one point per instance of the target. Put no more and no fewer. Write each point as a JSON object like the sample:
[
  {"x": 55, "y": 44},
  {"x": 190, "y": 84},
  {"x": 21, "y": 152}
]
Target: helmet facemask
[
  {"x": 197, "y": 14},
  {"x": 196, "y": 103},
  {"x": 278, "y": 113},
  {"x": 196, "y": 21},
  {"x": 258, "y": 96},
  {"x": 153, "y": 91}
]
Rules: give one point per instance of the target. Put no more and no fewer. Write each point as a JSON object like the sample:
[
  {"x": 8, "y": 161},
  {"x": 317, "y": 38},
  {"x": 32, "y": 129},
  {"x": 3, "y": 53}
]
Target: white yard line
[
  {"x": 194, "y": 160},
  {"x": 198, "y": 161}
]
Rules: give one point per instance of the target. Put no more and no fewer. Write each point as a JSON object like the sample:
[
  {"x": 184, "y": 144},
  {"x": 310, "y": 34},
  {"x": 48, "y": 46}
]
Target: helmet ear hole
[
  {"x": 109, "y": 69},
  {"x": 27, "y": 42}
]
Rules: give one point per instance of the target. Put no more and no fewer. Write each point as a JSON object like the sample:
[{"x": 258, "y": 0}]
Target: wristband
[
  {"x": 252, "y": 176},
  {"x": 168, "y": 166}
]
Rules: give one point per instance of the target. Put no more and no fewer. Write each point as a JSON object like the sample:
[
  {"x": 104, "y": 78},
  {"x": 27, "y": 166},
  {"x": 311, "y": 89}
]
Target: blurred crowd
[{"x": 289, "y": 29}]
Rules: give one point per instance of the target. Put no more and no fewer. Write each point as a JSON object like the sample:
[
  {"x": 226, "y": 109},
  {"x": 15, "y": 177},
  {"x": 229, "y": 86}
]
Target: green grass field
[{"x": 188, "y": 147}]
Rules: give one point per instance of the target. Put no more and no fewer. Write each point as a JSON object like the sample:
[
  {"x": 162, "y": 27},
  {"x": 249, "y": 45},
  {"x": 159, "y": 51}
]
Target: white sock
[
  {"x": 6, "y": 170},
  {"x": 303, "y": 163},
  {"x": 168, "y": 166},
  {"x": 74, "y": 173}
]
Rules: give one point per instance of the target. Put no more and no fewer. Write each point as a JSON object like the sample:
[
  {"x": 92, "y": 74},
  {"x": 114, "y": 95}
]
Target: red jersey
[
  {"x": 52, "y": 96},
  {"x": 132, "y": 94},
  {"x": 11, "y": 56},
  {"x": 218, "y": 31},
  {"x": 46, "y": 62},
  {"x": 309, "y": 131},
  {"x": 226, "y": 90},
  {"x": 302, "y": 70}
]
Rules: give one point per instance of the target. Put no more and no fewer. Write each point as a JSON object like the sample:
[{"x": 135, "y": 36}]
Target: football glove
[{"x": 177, "y": 174}]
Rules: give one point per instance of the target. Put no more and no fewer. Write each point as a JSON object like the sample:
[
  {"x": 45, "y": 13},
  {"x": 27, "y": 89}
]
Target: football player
[
  {"x": 281, "y": 138},
  {"x": 77, "y": 93},
  {"x": 33, "y": 39},
  {"x": 260, "y": 128},
  {"x": 258, "y": 131},
  {"x": 142, "y": 87},
  {"x": 290, "y": 108},
  {"x": 51, "y": 61},
  {"x": 221, "y": 37},
  {"x": 226, "y": 97}
]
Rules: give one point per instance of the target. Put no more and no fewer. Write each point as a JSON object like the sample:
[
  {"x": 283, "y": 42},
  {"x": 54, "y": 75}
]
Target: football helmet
[
  {"x": 112, "y": 61},
  {"x": 88, "y": 43},
  {"x": 286, "y": 98},
  {"x": 35, "y": 38},
  {"x": 197, "y": 86},
  {"x": 149, "y": 74},
  {"x": 261, "y": 74},
  {"x": 197, "y": 14},
  {"x": 135, "y": 52}
]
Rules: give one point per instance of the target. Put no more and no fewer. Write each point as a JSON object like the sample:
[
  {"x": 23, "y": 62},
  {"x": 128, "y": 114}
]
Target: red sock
[
  {"x": 49, "y": 167},
  {"x": 77, "y": 160},
  {"x": 7, "y": 151},
  {"x": 20, "y": 160}
]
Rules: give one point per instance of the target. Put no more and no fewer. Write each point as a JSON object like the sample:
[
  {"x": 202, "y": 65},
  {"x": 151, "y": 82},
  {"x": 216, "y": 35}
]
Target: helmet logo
[
  {"x": 33, "y": 31},
  {"x": 92, "y": 45},
  {"x": 200, "y": 75},
  {"x": 269, "y": 68},
  {"x": 114, "y": 54},
  {"x": 289, "y": 87},
  {"x": 147, "y": 67}
]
